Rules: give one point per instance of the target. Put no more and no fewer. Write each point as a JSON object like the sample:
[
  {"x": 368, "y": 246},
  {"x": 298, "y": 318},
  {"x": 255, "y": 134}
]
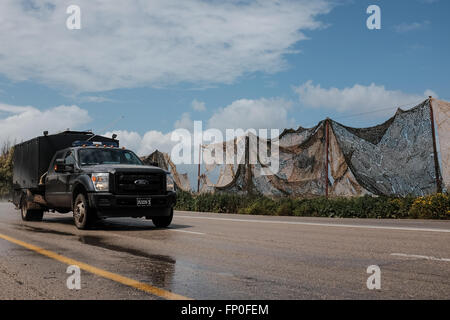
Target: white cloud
[
  {"x": 145, "y": 144},
  {"x": 198, "y": 105},
  {"x": 128, "y": 139},
  {"x": 20, "y": 123},
  {"x": 156, "y": 140},
  {"x": 150, "y": 43},
  {"x": 358, "y": 98},
  {"x": 428, "y": 1},
  {"x": 256, "y": 114},
  {"x": 265, "y": 114},
  {"x": 185, "y": 122},
  {"x": 406, "y": 27},
  {"x": 431, "y": 93},
  {"x": 152, "y": 140},
  {"x": 94, "y": 99}
]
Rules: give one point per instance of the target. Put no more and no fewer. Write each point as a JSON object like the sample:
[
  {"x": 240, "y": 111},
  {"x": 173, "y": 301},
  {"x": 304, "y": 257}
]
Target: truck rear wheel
[
  {"x": 30, "y": 214},
  {"x": 163, "y": 222},
  {"x": 83, "y": 215}
]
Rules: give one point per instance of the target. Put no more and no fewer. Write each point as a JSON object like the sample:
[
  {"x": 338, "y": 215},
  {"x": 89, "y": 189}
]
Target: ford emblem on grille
[{"x": 141, "y": 182}]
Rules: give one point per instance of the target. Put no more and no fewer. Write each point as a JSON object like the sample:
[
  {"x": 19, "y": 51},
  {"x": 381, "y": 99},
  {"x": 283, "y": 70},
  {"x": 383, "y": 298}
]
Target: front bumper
[{"x": 111, "y": 205}]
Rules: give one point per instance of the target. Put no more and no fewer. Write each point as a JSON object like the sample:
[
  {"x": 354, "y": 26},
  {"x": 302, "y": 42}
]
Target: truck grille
[{"x": 150, "y": 183}]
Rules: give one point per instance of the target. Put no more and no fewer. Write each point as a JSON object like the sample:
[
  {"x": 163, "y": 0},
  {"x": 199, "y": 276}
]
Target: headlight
[
  {"x": 170, "y": 183},
  {"x": 100, "y": 181}
]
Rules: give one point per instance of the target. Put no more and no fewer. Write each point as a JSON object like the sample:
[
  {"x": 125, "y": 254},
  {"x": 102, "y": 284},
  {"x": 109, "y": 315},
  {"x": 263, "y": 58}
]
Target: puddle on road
[
  {"x": 158, "y": 270},
  {"x": 42, "y": 230},
  {"x": 123, "y": 224},
  {"x": 99, "y": 242}
]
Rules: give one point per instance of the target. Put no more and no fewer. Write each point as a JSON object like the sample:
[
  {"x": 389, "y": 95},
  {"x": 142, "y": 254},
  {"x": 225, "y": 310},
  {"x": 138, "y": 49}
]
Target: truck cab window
[
  {"x": 69, "y": 159},
  {"x": 96, "y": 156}
]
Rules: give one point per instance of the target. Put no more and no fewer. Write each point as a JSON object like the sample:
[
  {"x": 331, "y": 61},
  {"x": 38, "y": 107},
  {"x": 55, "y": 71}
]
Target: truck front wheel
[
  {"x": 29, "y": 214},
  {"x": 163, "y": 222},
  {"x": 83, "y": 215}
]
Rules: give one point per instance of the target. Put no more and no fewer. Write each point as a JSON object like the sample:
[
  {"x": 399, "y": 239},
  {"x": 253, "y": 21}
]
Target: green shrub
[
  {"x": 434, "y": 207},
  {"x": 285, "y": 208},
  {"x": 185, "y": 201},
  {"x": 431, "y": 207},
  {"x": 6, "y": 170}
]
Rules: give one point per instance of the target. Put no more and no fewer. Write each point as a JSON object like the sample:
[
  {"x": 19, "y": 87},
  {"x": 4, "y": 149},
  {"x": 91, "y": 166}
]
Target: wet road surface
[{"x": 218, "y": 256}]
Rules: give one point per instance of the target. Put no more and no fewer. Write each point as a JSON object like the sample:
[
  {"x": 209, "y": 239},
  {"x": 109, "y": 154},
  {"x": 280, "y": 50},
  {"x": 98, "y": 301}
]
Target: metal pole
[
  {"x": 327, "y": 143},
  {"x": 198, "y": 174},
  {"x": 436, "y": 160},
  {"x": 247, "y": 165}
]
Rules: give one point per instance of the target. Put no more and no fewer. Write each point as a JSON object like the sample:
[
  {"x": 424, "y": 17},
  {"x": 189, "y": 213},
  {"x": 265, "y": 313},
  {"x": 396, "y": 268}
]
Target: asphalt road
[{"x": 218, "y": 256}]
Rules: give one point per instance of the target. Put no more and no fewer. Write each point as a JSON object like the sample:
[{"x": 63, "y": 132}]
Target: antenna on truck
[{"x": 109, "y": 126}]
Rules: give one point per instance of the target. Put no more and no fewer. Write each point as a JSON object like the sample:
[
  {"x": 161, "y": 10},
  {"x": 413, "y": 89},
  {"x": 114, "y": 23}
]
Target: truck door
[
  {"x": 53, "y": 186},
  {"x": 65, "y": 181}
]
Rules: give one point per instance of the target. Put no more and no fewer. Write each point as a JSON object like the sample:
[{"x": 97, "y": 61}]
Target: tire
[
  {"x": 83, "y": 215},
  {"x": 29, "y": 214},
  {"x": 163, "y": 222}
]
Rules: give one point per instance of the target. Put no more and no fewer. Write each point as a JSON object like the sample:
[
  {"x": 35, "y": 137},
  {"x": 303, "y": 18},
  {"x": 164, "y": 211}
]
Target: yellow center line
[{"x": 99, "y": 272}]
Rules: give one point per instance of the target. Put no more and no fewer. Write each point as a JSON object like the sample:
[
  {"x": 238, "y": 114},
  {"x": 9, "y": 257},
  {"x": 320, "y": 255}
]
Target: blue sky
[{"x": 332, "y": 67}]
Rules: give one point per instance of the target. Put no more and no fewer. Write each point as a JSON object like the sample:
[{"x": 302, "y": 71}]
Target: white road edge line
[
  {"x": 193, "y": 232},
  {"x": 419, "y": 257},
  {"x": 321, "y": 224}
]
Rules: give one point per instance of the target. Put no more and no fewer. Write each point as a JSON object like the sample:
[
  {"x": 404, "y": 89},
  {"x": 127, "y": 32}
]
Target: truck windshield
[{"x": 90, "y": 157}]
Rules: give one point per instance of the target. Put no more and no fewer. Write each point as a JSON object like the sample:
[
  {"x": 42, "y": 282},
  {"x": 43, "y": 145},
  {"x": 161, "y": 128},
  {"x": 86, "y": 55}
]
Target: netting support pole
[
  {"x": 327, "y": 145},
  {"x": 247, "y": 165},
  {"x": 198, "y": 173},
  {"x": 436, "y": 159}
]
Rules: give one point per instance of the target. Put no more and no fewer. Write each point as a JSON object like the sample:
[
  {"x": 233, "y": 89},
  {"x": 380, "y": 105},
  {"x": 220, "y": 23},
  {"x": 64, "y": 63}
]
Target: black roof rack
[{"x": 76, "y": 132}]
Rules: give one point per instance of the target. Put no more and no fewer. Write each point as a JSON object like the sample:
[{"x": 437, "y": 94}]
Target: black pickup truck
[{"x": 90, "y": 176}]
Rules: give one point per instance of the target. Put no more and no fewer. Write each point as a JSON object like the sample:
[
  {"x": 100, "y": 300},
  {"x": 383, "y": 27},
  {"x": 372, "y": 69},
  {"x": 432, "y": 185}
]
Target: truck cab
[{"x": 96, "y": 181}]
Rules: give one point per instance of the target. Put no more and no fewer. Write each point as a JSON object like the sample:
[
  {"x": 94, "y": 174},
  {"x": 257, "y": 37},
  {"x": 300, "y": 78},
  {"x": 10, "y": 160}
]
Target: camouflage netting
[
  {"x": 394, "y": 158},
  {"x": 441, "y": 111},
  {"x": 222, "y": 176},
  {"x": 302, "y": 159},
  {"x": 162, "y": 160},
  {"x": 301, "y": 173},
  {"x": 341, "y": 178}
]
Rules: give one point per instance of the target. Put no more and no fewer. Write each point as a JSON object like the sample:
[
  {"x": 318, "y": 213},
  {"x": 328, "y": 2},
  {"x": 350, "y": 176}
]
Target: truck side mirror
[{"x": 61, "y": 166}]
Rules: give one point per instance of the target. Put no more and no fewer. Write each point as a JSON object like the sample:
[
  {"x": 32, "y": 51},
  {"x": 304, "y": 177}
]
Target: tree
[{"x": 6, "y": 169}]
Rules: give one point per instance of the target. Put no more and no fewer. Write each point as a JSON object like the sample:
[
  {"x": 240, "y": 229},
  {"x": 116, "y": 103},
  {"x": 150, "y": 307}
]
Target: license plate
[{"x": 144, "y": 202}]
